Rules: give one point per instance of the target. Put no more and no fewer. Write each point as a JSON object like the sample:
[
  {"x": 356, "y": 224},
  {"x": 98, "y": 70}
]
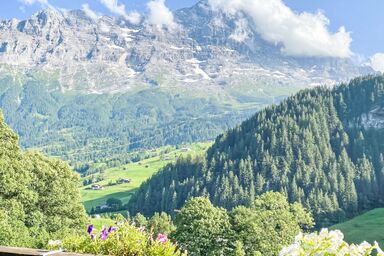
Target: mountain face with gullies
[
  {"x": 67, "y": 80},
  {"x": 205, "y": 51}
]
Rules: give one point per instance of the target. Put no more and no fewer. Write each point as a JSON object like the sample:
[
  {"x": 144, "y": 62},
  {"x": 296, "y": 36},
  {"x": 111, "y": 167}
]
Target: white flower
[
  {"x": 54, "y": 243},
  {"x": 378, "y": 249},
  {"x": 327, "y": 243}
]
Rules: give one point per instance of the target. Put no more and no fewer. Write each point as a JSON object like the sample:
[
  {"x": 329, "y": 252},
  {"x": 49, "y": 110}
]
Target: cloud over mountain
[
  {"x": 300, "y": 34},
  {"x": 89, "y": 12},
  {"x": 377, "y": 62},
  {"x": 30, "y": 2},
  {"x": 159, "y": 14},
  {"x": 119, "y": 9}
]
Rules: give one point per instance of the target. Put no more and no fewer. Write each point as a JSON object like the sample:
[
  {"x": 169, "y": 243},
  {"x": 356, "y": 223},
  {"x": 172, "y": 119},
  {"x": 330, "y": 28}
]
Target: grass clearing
[
  {"x": 137, "y": 172},
  {"x": 98, "y": 223},
  {"x": 366, "y": 227}
]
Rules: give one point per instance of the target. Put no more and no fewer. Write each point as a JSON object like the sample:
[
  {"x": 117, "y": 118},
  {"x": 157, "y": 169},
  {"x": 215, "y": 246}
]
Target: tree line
[
  {"x": 88, "y": 128},
  {"x": 315, "y": 147}
]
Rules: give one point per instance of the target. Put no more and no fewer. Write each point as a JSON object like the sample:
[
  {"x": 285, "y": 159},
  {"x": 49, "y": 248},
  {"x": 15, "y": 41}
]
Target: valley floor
[{"x": 136, "y": 172}]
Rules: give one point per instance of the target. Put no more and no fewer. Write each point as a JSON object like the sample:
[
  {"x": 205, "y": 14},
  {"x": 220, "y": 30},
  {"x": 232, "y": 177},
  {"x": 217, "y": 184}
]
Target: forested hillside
[
  {"x": 321, "y": 147},
  {"x": 82, "y": 128},
  {"x": 90, "y": 90},
  {"x": 39, "y": 198}
]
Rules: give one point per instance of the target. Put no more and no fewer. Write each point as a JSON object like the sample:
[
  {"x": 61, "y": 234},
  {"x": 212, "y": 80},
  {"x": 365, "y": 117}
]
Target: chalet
[
  {"x": 121, "y": 181},
  {"x": 96, "y": 187},
  {"x": 126, "y": 180},
  {"x": 102, "y": 207}
]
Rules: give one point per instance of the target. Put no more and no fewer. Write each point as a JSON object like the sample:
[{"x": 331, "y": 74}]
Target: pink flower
[{"x": 161, "y": 238}]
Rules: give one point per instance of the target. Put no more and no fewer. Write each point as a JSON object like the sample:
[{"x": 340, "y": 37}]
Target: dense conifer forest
[
  {"x": 88, "y": 128},
  {"x": 321, "y": 147}
]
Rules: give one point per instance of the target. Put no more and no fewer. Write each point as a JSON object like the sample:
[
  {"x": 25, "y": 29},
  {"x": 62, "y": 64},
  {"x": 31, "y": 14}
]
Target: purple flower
[
  {"x": 111, "y": 229},
  {"x": 161, "y": 238},
  {"x": 104, "y": 234},
  {"x": 90, "y": 229}
]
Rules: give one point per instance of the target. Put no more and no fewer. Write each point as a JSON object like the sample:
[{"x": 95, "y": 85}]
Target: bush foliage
[{"x": 39, "y": 198}]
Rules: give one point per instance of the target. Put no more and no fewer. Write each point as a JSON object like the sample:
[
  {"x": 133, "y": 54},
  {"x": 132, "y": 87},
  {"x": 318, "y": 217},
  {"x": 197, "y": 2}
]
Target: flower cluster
[
  {"x": 104, "y": 232},
  {"x": 54, "y": 243},
  {"x": 121, "y": 239},
  {"x": 161, "y": 238},
  {"x": 327, "y": 243}
]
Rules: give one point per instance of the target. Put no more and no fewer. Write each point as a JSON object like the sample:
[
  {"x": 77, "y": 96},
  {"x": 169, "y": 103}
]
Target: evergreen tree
[{"x": 314, "y": 147}]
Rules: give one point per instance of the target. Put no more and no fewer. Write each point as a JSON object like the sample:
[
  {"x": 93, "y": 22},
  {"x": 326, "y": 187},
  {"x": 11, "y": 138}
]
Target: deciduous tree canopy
[{"x": 39, "y": 198}]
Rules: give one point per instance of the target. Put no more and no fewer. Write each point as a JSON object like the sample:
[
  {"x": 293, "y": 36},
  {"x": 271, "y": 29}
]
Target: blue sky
[{"x": 363, "y": 19}]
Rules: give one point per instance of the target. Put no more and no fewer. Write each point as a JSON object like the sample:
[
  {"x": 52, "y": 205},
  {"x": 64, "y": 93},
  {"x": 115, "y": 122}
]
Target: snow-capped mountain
[{"x": 208, "y": 50}]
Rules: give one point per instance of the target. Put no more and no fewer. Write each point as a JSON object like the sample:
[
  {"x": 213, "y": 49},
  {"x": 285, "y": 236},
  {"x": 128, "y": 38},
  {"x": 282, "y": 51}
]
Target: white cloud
[
  {"x": 303, "y": 34},
  {"x": 159, "y": 14},
  {"x": 133, "y": 17},
  {"x": 241, "y": 32},
  {"x": 43, "y": 3},
  {"x": 89, "y": 12},
  {"x": 22, "y": 9},
  {"x": 31, "y": 2},
  {"x": 114, "y": 7},
  {"x": 377, "y": 62},
  {"x": 119, "y": 9}
]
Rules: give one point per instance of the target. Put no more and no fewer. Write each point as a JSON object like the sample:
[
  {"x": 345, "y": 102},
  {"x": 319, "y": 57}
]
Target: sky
[{"x": 362, "y": 20}]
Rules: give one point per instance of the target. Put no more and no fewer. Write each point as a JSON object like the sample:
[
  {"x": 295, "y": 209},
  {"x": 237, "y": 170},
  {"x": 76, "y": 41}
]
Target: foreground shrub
[
  {"x": 39, "y": 197},
  {"x": 122, "y": 240},
  {"x": 203, "y": 229},
  {"x": 262, "y": 229},
  {"x": 328, "y": 243},
  {"x": 269, "y": 224}
]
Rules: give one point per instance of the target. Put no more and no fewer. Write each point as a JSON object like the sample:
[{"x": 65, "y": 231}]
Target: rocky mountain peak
[
  {"x": 209, "y": 49},
  {"x": 44, "y": 19}
]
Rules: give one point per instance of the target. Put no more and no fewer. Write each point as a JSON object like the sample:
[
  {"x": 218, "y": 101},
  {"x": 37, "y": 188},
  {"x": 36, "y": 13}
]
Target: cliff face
[{"x": 208, "y": 49}]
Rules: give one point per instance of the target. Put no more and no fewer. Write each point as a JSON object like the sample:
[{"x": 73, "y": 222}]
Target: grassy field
[
  {"x": 366, "y": 227},
  {"x": 98, "y": 223},
  {"x": 138, "y": 172}
]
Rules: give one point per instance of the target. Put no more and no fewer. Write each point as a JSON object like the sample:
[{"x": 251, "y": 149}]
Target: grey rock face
[
  {"x": 207, "y": 51},
  {"x": 373, "y": 119}
]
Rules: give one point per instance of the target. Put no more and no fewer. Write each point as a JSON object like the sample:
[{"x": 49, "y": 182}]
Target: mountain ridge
[
  {"x": 81, "y": 84},
  {"x": 204, "y": 51}
]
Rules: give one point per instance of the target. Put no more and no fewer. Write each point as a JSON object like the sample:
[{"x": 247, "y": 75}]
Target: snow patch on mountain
[{"x": 209, "y": 50}]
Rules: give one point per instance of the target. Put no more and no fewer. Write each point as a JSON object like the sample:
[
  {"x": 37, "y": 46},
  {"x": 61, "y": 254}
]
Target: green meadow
[
  {"x": 366, "y": 227},
  {"x": 137, "y": 172}
]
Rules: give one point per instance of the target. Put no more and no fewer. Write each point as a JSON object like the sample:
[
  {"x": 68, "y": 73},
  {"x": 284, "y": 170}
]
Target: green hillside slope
[
  {"x": 366, "y": 227},
  {"x": 79, "y": 127},
  {"x": 136, "y": 172},
  {"x": 321, "y": 147}
]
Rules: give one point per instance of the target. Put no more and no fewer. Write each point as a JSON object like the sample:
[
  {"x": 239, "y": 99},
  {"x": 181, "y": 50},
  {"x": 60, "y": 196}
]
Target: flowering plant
[
  {"x": 328, "y": 243},
  {"x": 124, "y": 239},
  {"x": 161, "y": 238}
]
